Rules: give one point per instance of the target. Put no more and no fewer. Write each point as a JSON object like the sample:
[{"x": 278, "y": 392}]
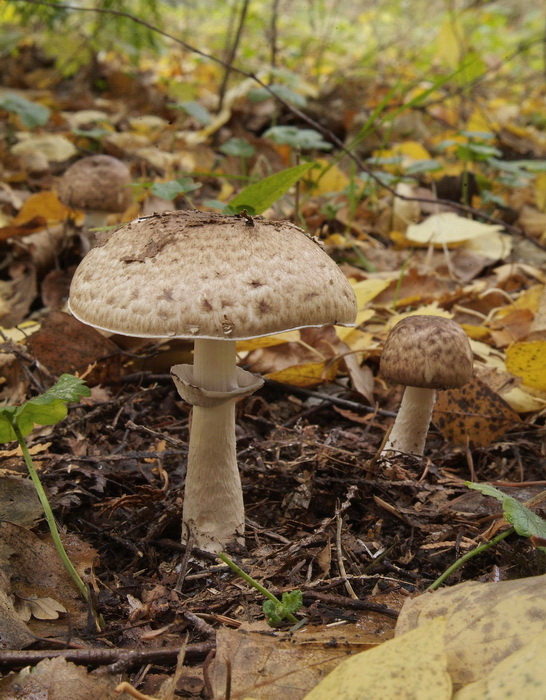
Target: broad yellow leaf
[
  {"x": 520, "y": 675},
  {"x": 413, "y": 150},
  {"x": 366, "y": 290},
  {"x": 485, "y": 623},
  {"x": 448, "y": 44},
  {"x": 475, "y": 332},
  {"x": 344, "y": 332},
  {"x": 494, "y": 245},
  {"x": 54, "y": 147},
  {"x": 267, "y": 341},
  {"x": 306, "y": 375},
  {"x": 448, "y": 229},
  {"x": 42, "y": 204},
  {"x": 522, "y": 402},
  {"x": 528, "y": 361},
  {"x": 326, "y": 179},
  {"x": 411, "y": 666}
]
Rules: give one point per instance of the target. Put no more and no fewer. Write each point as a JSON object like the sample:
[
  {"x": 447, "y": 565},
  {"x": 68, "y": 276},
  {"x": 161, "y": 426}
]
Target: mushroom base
[{"x": 410, "y": 429}]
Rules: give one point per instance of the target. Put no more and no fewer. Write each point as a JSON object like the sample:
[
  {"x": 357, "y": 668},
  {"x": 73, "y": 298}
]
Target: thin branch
[{"x": 232, "y": 53}]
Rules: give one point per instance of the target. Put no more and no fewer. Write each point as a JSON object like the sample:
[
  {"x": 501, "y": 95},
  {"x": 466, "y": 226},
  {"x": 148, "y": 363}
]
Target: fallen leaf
[
  {"x": 449, "y": 229},
  {"x": 413, "y": 665},
  {"x": 528, "y": 361},
  {"x": 485, "y": 622},
  {"x": 473, "y": 415},
  {"x": 57, "y": 679}
]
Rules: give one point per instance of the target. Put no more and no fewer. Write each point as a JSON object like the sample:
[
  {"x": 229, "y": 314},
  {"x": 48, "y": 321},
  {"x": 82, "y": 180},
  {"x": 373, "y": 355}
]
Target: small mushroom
[
  {"x": 425, "y": 353},
  {"x": 99, "y": 186},
  {"x": 215, "y": 279}
]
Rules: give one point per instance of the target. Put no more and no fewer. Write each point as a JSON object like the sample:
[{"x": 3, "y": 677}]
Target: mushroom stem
[
  {"x": 410, "y": 428},
  {"x": 213, "y": 500}
]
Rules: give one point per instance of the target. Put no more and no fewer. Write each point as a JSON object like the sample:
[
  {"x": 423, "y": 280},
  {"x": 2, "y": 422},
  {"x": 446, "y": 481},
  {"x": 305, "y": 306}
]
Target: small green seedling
[
  {"x": 524, "y": 522},
  {"x": 18, "y": 421},
  {"x": 274, "y": 609}
]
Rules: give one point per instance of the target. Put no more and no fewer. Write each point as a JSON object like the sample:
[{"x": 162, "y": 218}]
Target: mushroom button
[
  {"x": 425, "y": 353},
  {"x": 215, "y": 279},
  {"x": 99, "y": 186}
]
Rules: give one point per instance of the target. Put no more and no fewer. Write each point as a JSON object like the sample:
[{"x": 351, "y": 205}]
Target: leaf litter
[{"x": 113, "y": 468}]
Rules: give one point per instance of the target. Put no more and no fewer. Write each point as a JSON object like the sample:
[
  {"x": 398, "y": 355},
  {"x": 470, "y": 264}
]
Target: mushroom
[
  {"x": 425, "y": 353},
  {"x": 216, "y": 279},
  {"x": 99, "y": 186}
]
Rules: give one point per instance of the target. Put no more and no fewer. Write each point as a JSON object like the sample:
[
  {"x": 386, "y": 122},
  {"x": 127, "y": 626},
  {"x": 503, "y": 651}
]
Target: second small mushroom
[{"x": 424, "y": 353}]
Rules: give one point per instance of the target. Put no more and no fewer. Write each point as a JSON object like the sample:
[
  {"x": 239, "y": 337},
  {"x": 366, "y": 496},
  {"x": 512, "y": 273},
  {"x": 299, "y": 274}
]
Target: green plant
[
  {"x": 16, "y": 422},
  {"x": 274, "y": 609},
  {"x": 524, "y": 522}
]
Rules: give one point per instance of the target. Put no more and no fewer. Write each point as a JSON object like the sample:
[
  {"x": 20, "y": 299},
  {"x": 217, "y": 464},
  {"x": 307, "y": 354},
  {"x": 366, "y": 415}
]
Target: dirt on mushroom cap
[{"x": 198, "y": 274}]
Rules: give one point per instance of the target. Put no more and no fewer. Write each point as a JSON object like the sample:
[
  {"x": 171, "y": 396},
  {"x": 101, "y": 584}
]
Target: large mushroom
[
  {"x": 424, "y": 353},
  {"x": 99, "y": 185},
  {"x": 216, "y": 279}
]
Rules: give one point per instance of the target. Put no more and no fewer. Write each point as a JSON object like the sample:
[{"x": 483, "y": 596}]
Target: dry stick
[
  {"x": 231, "y": 56},
  {"x": 301, "y": 115},
  {"x": 340, "y": 563},
  {"x": 100, "y": 657}
]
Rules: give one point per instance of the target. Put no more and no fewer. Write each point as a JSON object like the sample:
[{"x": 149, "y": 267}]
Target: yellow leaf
[
  {"x": 42, "y": 204},
  {"x": 475, "y": 332},
  {"x": 366, "y": 290},
  {"x": 267, "y": 341},
  {"x": 448, "y": 229},
  {"x": 448, "y": 47},
  {"x": 343, "y": 332},
  {"x": 358, "y": 340},
  {"x": 522, "y": 402},
  {"x": 326, "y": 179},
  {"x": 528, "y": 361},
  {"x": 411, "y": 666},
  {"x": 522, "y": 674},
  {"x": 540, "y": 191},
  {"x": 413, "y": 150},
  {"x": 307, "y": 374}
]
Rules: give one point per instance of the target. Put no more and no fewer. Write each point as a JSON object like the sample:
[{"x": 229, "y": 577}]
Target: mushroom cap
[
  {"x": 97, "y": 183},
  {"x": 193, "y": 274},
  {"x": 430, "y": 352}
]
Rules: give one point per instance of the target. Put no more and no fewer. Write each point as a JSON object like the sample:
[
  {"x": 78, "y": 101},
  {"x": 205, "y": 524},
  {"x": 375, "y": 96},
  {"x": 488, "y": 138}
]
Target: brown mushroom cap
[
  {"x": 430, "y": 352},
  {"x": 97, "y": 183},
  {"x": 193, "y": 274}
]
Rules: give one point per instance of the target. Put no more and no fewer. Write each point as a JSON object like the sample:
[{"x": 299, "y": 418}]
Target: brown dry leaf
[
  {"x": 57, "y": 679},
  {"x": 18, "y": 501},
  {"x": 473, "y": 415},
  {"x": 485, "y": 622},
  {"x": 285, "y": 667},
  {"x": 64, "y": 344},
  {"x": 41, "y": 608},
  {"x": 33, "y": 568},
  {"x": 17, "y": 294},
  {"x": 411, "y": 666}
]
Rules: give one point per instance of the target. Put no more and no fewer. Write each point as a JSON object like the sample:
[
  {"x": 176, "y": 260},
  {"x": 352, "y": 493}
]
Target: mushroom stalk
[
  {"x": 213, "y": 502},
  {"x": 410, "y": 428}
]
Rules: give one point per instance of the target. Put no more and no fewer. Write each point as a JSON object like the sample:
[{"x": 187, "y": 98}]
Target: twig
[
  {"x": 340, "y": 563},
  {"x": 99, "y": 657},
  {"x": 341, "y": 603},
  {"x": 231, "y": 56}
]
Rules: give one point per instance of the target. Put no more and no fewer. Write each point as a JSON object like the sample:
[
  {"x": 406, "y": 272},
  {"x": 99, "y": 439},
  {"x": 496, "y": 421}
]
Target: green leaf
[
  {"x": 261, "y": 195},
  {"x": 305, "y": 139},
  {"x": 525, "y": 522},
  {"x": 47, "y": 409},
  {"x": 282, "y": 91},
  {"x": 30, "y": 113},
  {"x": 237, "y": 147},
  {"x": 197, "y": 111},
  {"x": 170, "y": 190},
  {"x": 277, "y": 612}
]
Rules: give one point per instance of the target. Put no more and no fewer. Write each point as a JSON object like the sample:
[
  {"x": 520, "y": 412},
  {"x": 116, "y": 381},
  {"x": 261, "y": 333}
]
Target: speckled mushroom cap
[
  {"x": 193, "y": 274},
  {"x": 430, "y": 352},
  {"x": 97, "y": 183}
]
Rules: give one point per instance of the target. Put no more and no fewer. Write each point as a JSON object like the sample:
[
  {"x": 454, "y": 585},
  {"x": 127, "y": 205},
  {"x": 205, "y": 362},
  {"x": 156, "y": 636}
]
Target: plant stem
[
  {"x": 233, "y": 566},
  {"x": 468, "y": 556},
  {"x": 49, "y": 514}
]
